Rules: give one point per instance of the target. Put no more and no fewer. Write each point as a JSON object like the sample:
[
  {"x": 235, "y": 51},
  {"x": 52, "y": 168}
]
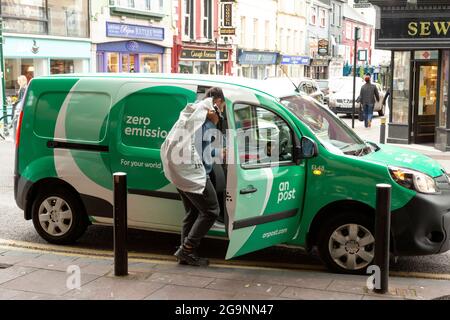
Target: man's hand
[{"x": 213, "y": 117}]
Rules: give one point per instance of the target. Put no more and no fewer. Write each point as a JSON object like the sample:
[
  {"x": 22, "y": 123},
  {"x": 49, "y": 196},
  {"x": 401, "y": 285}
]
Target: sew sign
[{"x": 134, "y": 31}]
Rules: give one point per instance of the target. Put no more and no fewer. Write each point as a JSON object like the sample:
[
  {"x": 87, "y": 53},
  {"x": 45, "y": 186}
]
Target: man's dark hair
[{"x": 215, "y": 93}]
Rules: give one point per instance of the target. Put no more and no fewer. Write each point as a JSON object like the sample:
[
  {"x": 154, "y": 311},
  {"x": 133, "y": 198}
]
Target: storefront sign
[
  {"x": 426, "y": 55},
  {"x": 319, "y": 63},
  {"x": 134, "y": 31},
  {"x": 227, "y": 31},
  {"x": 198, "y": 54},
  {"x": 296, "y": 60},
  {"x": 323, "y": 47},
  {"x": 257, "y": 58},
  {"x": 358, "y": 4},
  {"x": 227, "y": 14}
]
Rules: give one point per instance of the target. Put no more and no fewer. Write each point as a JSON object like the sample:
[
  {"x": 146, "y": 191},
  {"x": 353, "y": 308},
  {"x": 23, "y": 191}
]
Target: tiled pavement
[{"x": 35, "y": 275}]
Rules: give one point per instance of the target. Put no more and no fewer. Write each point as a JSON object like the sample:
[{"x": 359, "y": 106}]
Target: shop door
[
  {"x": 425, "y": 100},
  {"x": 129, "y": 63}
]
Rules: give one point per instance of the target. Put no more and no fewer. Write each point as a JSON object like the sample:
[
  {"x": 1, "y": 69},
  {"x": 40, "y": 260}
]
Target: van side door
[
  {"x": 265, "y": 187},
  {"x": 144, "y": 117}
]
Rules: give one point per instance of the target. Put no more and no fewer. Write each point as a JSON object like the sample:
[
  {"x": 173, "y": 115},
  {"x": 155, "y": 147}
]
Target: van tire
[
  {"x": 70, "y": 203},
  {"x": 341, "y": 223},
  {"x": 382, "y": 111}
]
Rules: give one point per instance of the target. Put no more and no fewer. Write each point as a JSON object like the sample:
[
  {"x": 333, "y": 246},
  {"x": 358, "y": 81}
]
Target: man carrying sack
[{"x": 192, "y": 136}]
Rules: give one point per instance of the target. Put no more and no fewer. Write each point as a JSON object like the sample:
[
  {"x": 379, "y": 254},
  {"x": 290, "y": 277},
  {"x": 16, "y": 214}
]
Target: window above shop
[
  {"x": 146, "y": 8},
  {"x": 47, "y": 17}
]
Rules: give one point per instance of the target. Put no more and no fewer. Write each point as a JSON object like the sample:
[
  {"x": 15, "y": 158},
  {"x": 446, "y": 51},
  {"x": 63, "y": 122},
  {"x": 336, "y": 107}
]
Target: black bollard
[
  {"x": 383, "y": 130},
  {"x": 120, "y": 224},
  {"x": 382, "y": 235}
]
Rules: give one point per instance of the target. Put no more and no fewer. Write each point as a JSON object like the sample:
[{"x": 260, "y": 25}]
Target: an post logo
[{"x": 284, "y": 192}]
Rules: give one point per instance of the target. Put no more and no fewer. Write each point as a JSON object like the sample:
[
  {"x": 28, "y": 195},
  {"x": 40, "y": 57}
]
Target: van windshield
[{"x": 332, "y": 132}]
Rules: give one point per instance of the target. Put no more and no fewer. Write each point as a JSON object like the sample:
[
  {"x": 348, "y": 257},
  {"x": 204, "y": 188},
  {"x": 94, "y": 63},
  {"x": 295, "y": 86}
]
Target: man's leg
[
  {"x": 208, "y": 211},
  {"x": 190, "y": 216},
  {"x": 370, "y": 114},
  {"x": 366, "y": 116}
]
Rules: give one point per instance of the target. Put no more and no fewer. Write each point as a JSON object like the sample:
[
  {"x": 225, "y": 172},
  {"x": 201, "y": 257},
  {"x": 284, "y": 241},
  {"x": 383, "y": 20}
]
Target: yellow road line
[{"x": 167, "y": 259}]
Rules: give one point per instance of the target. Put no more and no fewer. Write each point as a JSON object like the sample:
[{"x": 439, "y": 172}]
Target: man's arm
[{"x": 377, "y": 94}]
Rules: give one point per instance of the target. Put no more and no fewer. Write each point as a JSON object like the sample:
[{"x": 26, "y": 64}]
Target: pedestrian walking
[
  {"x": 367, "y": 97},
  {"x": 192, "y": 180}
]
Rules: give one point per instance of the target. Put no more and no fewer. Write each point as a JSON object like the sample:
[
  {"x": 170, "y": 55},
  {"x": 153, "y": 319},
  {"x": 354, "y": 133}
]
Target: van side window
[
  {"x": 263, "y": 137},
  {"x": 85, "y": 117}
]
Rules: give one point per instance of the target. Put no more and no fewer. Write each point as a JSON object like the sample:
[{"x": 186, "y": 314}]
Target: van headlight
[{"x": 414, "y": 180}]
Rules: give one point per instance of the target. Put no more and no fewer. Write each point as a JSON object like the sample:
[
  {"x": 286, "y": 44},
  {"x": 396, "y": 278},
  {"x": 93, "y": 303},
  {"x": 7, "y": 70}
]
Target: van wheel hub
[
  {"x": 55, "y": 216},
  {"x": 351, "y": 246}
]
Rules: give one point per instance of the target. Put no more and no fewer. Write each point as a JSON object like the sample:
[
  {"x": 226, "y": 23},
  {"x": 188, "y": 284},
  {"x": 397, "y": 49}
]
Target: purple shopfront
[{"x": 129, "y": 56}]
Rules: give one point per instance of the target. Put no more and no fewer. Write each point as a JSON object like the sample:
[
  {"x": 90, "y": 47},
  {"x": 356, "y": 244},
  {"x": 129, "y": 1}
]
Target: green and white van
[{"x": 77, "y": 130}]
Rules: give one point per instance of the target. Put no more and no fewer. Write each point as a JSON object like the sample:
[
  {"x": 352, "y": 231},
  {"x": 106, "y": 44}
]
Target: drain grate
[{"x": 5, "y": 266}]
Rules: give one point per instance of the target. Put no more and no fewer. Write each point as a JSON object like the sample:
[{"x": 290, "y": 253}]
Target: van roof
[{"x": 277, "y": 91}]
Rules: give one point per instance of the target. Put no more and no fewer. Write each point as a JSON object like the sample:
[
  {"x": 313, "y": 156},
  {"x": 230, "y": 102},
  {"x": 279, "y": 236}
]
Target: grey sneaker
[{"x": 190, "y": 258}]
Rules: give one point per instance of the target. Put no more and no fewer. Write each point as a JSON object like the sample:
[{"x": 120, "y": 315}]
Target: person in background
[
  {"x": 22, "y": 81},
  {"x": 367, "y": 97}
]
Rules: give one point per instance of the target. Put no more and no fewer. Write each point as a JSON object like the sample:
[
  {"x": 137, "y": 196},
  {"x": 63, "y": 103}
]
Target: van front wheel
[
  {"x": 58, "y": 216},
  {"x": 347, "y": 244}
]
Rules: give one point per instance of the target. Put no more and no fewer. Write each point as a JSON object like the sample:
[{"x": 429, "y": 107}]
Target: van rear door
[{"x": 265, "y": 187}]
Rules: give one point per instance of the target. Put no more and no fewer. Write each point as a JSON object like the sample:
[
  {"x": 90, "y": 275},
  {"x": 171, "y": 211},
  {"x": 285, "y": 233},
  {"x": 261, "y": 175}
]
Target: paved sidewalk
[{"x": 32, "y": 274}]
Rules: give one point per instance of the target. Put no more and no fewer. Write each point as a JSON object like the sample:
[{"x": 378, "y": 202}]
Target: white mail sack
[{"x": 181, "y": 162}]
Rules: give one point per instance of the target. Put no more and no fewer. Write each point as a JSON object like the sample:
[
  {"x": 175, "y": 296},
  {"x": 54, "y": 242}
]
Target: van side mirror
[{"x": 306, "y": 149}]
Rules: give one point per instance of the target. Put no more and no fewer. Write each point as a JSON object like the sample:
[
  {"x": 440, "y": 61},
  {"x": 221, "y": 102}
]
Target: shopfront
[
  {"x": 203, "y": 61},
  {"x": 318, "y": 69},
  {"x": 419, "y": 38},
  {"x": 131, "y": 48},
  {"x": 129, "y": 56},
  {"x": 33, "y": 56},
  {"x": 295, "y": 65},
  {"x": 256, "y": 64}
]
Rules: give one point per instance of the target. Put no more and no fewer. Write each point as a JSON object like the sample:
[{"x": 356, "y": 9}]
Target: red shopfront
[{"x": 201, "y": 59}]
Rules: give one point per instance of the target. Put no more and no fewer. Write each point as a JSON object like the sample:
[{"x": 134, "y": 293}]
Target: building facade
[
  {"x": 291, "y": 37},
  {"x": 318, "y": 39},
  {"x": 198, "y": 45},
  {"x": 419, "y": 37},
  {"x": 336, "y": 26},
  {"x": 257, "y": 54},
  {"x": 351, "y": 20},
  {"x": 131, "y": 36},
  {"x": 42, "y": 37}
]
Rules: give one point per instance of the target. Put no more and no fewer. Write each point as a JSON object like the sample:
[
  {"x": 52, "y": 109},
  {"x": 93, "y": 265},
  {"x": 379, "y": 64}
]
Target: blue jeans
[{"x": 368, "y": 114}]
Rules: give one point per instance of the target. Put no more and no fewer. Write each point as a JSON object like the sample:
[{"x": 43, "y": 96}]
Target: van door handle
[{"x": 249, "y": 189}]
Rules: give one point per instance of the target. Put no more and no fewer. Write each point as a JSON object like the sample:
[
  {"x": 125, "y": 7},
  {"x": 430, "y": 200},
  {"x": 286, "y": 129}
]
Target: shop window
[
  {"x": 13, "y": 69},
  {"x": 150, "y": 63},
  {"x": 61, "y": 66},
  {"x": 112, "y": 62},
  {"x": 401, "y": 84},
  {"x": 445, "y": 69}
]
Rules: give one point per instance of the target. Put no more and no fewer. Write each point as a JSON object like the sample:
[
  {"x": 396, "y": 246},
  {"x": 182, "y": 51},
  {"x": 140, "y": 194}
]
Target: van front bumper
[{"x": 422, "y": 226}]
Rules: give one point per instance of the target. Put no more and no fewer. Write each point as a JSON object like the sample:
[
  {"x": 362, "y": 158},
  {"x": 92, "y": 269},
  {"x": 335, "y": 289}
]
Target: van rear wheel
[
  {"x": 58, "y": 216},
  {"x": 347, "y": 243}
]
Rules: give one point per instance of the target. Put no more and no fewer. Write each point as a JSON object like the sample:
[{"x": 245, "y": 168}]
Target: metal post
[
  {"x": 2, "y": 73},
  {"x": 217, "y": 56},
  {"x": 382, "y": 234},
  {"x": 120, "y": 224},
  {"x": 383, "y": 130},
  {"x": 354, "y": 75}
]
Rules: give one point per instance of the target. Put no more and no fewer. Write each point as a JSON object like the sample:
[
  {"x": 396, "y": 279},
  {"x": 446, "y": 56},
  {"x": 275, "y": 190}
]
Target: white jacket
[{"x": 187, "y": 172}]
